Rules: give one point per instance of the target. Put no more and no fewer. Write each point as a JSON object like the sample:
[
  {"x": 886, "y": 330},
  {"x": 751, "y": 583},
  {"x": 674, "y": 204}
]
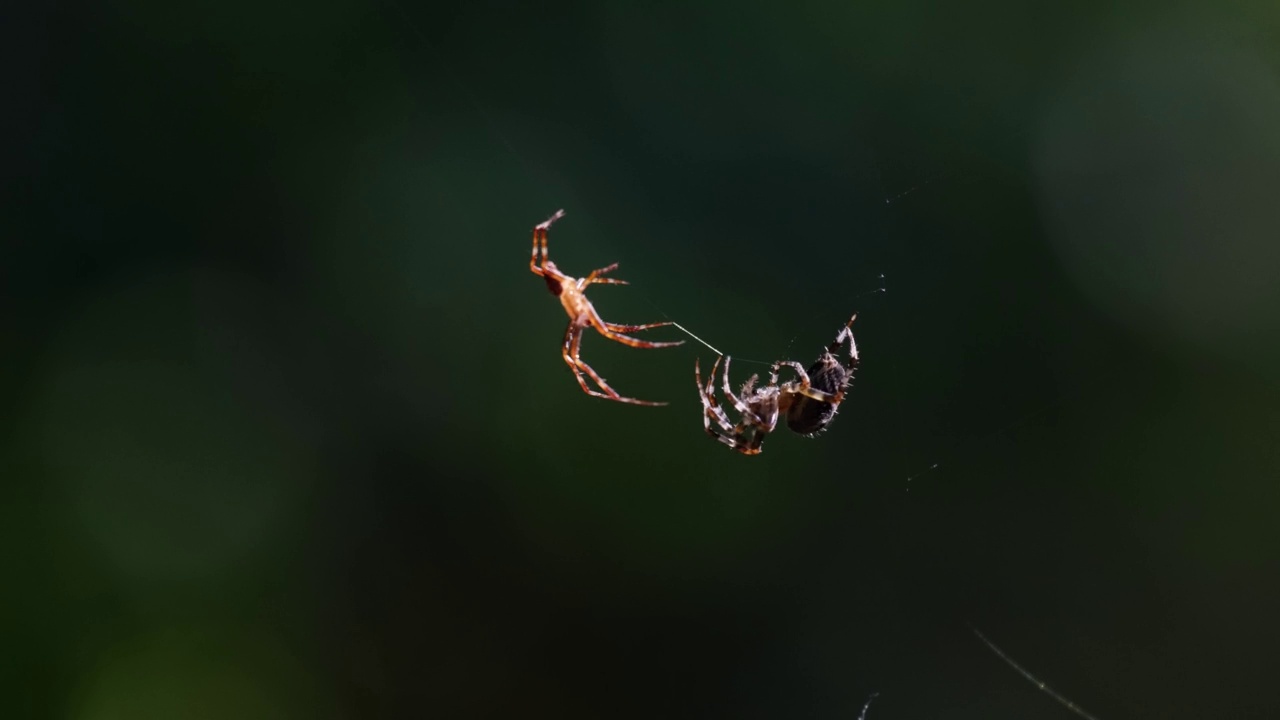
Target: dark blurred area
[{"x": 285, "y": 431}]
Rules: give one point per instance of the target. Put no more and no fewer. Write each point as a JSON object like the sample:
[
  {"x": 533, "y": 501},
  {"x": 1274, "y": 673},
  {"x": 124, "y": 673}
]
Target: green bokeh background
[{"x": 286, "y": 432}]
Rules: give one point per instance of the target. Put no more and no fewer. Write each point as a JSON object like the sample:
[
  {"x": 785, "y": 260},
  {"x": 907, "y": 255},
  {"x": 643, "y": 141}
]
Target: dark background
[{"x": 286, "y": 432}]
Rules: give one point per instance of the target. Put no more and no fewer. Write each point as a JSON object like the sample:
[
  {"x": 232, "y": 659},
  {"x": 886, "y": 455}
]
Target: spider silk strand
[
  {"x": 690, "y": 333},
  {"x": 695, "y": 337},
  {"x": 1032, "y": 678},
  {"x": 863, "y": 715},
  {"x": 748, "y": 360}
]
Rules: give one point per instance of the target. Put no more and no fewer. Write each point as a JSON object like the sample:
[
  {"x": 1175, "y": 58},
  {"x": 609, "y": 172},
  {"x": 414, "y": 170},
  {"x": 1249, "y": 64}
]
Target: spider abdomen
[{"x": 808, "y": 416}]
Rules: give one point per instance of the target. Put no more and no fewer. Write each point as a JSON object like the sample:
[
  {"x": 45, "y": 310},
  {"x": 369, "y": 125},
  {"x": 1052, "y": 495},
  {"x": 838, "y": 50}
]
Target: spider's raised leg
[
  {"x": 571, "y": 351},
  {"x": 540, "y": 242},
  {"x": 804, "y": 376},
  {"x": 846, "y": 333}
]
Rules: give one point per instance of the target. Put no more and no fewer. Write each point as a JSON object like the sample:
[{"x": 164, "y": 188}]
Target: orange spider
[{"x": 572, "y": 294}]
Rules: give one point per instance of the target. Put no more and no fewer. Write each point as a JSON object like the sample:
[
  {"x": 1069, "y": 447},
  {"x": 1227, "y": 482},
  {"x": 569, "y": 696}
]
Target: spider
[
  {"x": 810, "y": 402},
  {"x": 572, "y": 294}
]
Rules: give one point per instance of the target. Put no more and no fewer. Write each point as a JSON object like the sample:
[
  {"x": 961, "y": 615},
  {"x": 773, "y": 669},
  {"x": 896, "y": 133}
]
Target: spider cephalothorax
[
  {"x": 582, "y": 314},
  {"x": 809, "y": 402}
]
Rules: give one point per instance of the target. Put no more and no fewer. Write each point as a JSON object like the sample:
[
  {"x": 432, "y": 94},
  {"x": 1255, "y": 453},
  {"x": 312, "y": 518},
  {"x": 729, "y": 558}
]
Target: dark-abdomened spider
[
  {"x": 810, "y": 402},
  {"x": 582, "y": 314}
]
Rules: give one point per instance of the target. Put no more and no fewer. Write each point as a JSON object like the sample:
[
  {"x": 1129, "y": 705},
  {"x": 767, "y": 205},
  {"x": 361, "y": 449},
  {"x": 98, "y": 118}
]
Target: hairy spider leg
[
  {"x": 846, "y": 333},
  {"x": 742, "y": 408},
  {"x": 744, "y": 444},
  {"x": 571, "y": 351},
  {"x": 777, "y": 366},
  {"x": 804, "y": 388},
  {"x": 762, "y": 425},
  {"x": 711, "y": 410},
  {"x": 708, "y": 402},
  {"x": 731, "y": 435}
]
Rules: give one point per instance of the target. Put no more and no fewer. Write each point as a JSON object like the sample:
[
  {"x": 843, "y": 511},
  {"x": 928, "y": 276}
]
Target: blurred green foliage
[{"x": 287, "y": 432}]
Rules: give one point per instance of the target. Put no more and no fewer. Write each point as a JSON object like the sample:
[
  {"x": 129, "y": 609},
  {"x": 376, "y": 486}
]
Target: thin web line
[
  {"x": 1032, "y": 678},
  {"x": 863, "y": 715},
  {"x": 695, "y": 337},
  {"x": 688, "y": 332}
]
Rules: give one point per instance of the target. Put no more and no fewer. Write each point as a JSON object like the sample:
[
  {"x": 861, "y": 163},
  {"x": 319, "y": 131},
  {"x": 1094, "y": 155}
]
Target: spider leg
[
  {"x": 752, "y": 446},
  {"x": 820, "y": 395},
  {"x": 746, "y": 447},
  {"x": 846, "y": 333},
  {"x": 594, "y": 277},
  {"x": 637, "y": 342},
  {"x": 804, "y": 376},
  {"x": 740, "y": 406},
  {"x": 603, "y": 328},
  {"x": 745, "y": 437},
  {"x": 571, "y": 350},
  {"x": 728, "y": 433},
  {"x": 711, "y": 410},
  {"x": 738, "y": 438},
  {"x": 805, "y": 388},
  {"x": 533, "y": 259},
  {"x": 540, "y": 241},
  {"x": 633, "y": 328}
]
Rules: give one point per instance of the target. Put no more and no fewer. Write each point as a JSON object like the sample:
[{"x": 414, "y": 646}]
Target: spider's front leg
[
  {"x": 540, "y": 243},
  {"x": 615, "y": 332},
  {"x": 711, "y": 410},
  {"x": 728, "y": 433},
  {"x": 633, "y": 328},
  {"x": 846, "y": 333}
]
